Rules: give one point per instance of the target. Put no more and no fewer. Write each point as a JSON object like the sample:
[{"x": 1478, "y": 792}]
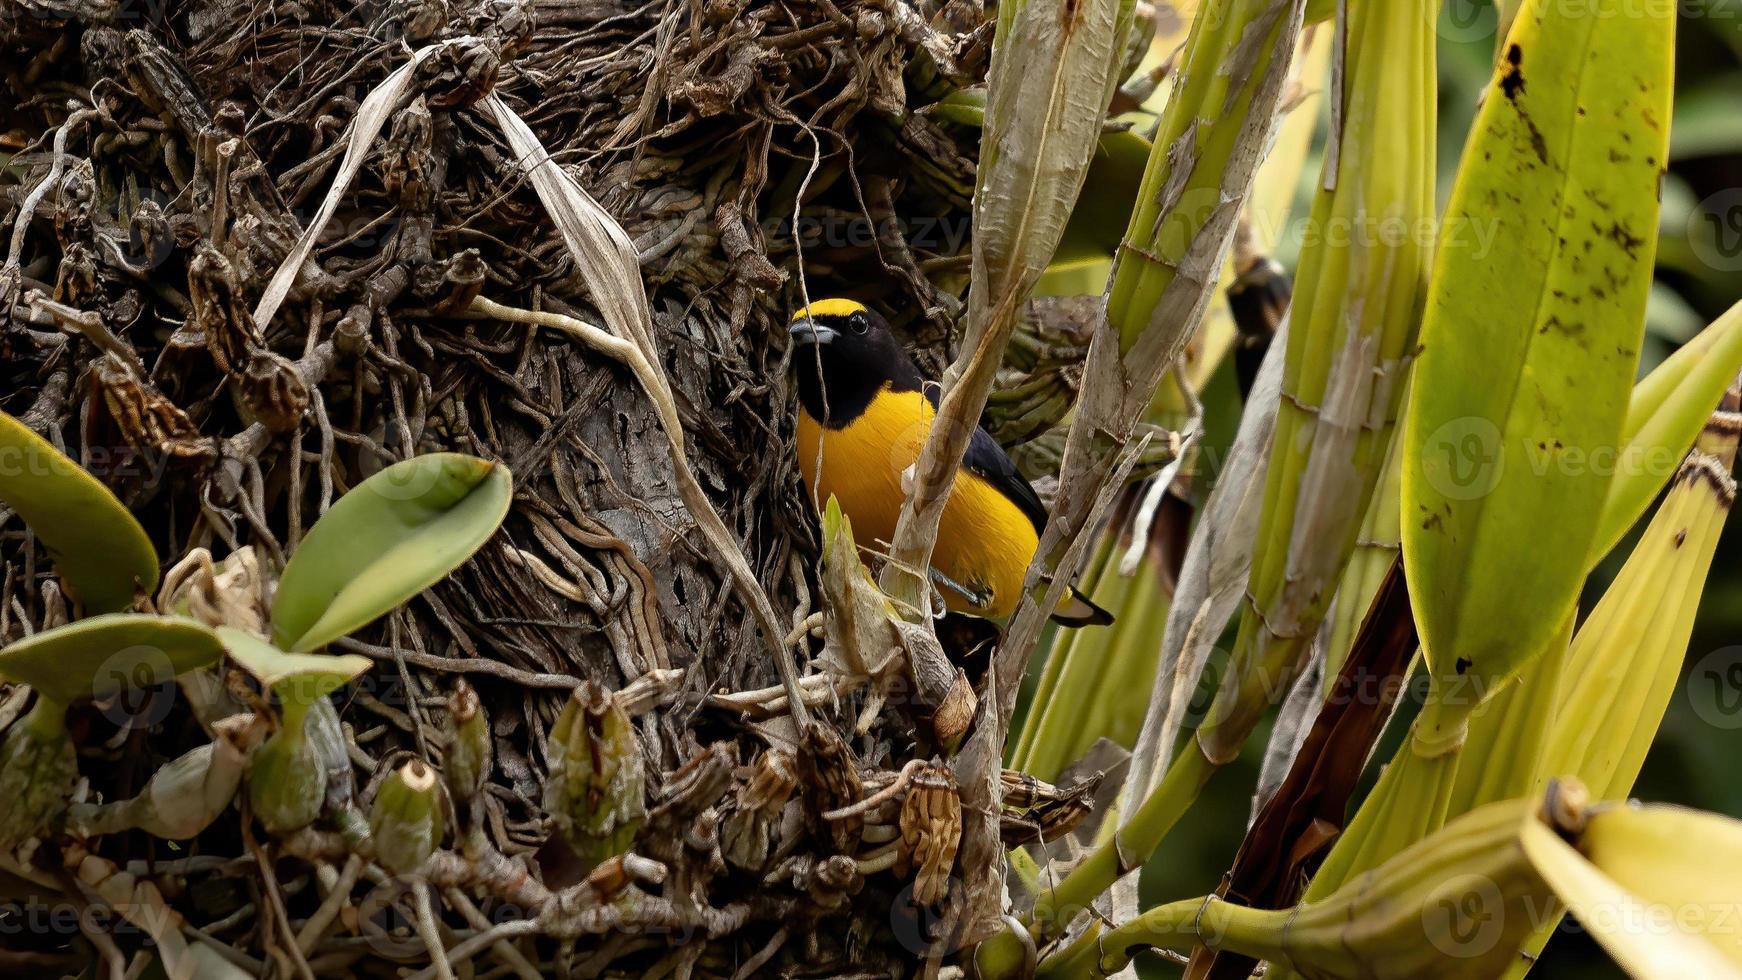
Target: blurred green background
[{"x": 1697, "y": 758}]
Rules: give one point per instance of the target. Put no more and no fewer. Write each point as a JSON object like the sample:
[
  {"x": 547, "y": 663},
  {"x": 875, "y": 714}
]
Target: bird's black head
[{"x": 843, "y": 354}]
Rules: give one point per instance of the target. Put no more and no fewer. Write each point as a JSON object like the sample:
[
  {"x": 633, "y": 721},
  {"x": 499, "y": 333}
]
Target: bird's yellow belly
[{"x": 985, "y": 542}]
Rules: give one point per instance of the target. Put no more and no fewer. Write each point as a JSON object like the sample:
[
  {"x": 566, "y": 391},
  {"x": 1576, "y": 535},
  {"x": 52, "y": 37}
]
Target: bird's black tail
[{"x": 1077, "y": 610}]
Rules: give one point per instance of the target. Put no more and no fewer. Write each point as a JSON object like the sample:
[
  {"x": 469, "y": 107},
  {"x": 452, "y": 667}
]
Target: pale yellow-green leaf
[
  {"x": 1532, "y": 333},
  {"x": 1635, "y": 902},
  {"x": 102, "y": 554},
  {"x": 396, "y": 534},
  {"x": 1667, "y": 410}
]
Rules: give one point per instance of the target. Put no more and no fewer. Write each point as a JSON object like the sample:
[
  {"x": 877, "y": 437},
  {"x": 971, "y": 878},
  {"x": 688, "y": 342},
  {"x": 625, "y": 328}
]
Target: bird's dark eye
[{"x": 859, "y": 323}]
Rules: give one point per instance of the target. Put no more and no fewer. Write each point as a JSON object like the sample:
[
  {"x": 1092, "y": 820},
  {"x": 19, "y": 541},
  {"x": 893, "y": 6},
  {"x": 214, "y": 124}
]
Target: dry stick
[
  {"x": 476, "y": 944},
  {"x": 1043, "y": 120},
  {"x": 429, "y": 933},
  {"x": 314, "y": 929},
  {"x": 509, "y": 952},
  {"x": 57, "y": 167},
  {"x": 608, "y": 260}
]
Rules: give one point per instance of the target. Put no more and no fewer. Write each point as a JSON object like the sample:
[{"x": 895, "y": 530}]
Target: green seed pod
[
  {"x": 406, "y": 821},
  {"x": 38, "y": 767},
  {"x": 595, "y": 793},
  {"x": 467, "y": 760},
  {"x": 286, "y": 782}
]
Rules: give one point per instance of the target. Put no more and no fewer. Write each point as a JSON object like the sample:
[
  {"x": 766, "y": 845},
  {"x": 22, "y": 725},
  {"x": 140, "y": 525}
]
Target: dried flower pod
[
  {"x": 468, "y": 758},
  {"x": 148, "y": 420},
  {"x": 406, "y": 820},
  {"x": 217, "y": 310},
  {"x": 951, "y": 719},
  {"x": 831, "y": 781},
  {"x": 748, "y": 831},
  {"x": 185, "y": 795},
  {"x": 406, "y": 158},
  {"x": 38, "y": 767},
  {"x": 1039, "y": 811},
  {"x": 931, "y": 830},
  {"x": 273, "y": 391},
  {"x": 596, "y": 792}
]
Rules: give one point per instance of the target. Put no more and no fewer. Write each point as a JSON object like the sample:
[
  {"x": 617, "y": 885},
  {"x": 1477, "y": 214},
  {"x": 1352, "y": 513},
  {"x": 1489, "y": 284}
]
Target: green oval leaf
[
  {"x": 101, "y": 655},
  {"x": 101, "y": 552},
  {"x": 298, "y": 679},
  {"x": 1532, "y": 333},
  {"x": 394, "y": 535}
]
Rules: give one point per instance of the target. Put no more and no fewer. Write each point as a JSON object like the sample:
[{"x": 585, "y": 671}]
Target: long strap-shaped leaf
[{"x": 1531, "y": 339}]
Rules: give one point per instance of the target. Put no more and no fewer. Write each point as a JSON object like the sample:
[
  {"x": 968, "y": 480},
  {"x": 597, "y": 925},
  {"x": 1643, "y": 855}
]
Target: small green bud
[
  {"x": 406, "y": 821},
  {"x": 287, "y": 783},
  {"x": 467, "y": 760},
  {"x": 596, "y": 791},
  {"x": 38, "y": 767}
]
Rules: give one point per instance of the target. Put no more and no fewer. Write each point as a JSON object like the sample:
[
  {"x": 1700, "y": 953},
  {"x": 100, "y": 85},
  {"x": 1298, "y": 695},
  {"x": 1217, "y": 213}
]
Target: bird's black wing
[{"x": 988, "y": 461}]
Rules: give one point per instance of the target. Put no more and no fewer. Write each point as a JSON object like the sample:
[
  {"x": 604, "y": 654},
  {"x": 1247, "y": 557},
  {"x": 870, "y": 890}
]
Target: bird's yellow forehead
[{"x": 830, "y": 307}]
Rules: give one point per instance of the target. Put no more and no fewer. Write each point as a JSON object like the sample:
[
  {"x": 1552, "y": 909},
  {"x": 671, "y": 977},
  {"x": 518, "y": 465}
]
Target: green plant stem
[
  {"x": 1134, "y": 842},
  {"x": 1176, "y": 925}
]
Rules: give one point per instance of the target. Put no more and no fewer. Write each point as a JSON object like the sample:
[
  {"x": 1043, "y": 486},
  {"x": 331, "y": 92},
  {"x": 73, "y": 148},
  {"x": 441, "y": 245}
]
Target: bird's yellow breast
[{"x": 985, "y": 541}]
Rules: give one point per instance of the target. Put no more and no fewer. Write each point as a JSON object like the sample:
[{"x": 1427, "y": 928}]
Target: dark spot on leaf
[
  {"x": 1465, "y": 663},
  {"x": 1561, "y": 327},
  {"x": 1628, "y": 242},
  {"x": 1432, "y": 523},
  {"x": 1537, "y": 143},
  {"x": 1512, "y": 83},
  {"x": 1680, "y": 536}
]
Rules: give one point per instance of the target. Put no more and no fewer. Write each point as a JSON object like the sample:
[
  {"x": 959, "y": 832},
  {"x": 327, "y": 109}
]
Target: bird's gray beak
[{"x": 812, "y": 332}]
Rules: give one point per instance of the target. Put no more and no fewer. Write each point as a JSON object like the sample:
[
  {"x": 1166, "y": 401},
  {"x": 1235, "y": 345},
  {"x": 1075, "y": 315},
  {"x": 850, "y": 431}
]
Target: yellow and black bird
[{"x": 864, "y": 411}]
